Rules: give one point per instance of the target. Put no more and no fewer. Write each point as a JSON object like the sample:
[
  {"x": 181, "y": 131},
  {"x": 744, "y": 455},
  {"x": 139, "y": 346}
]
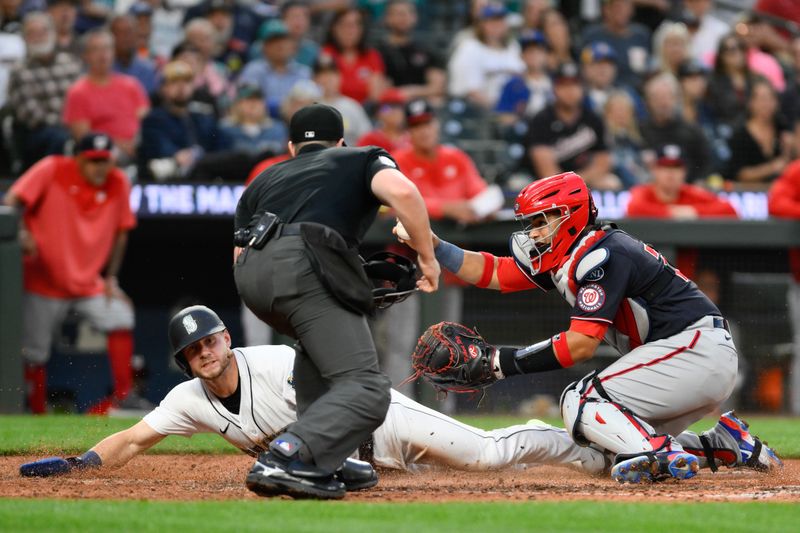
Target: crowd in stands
[{"x": 203, "y": 89}]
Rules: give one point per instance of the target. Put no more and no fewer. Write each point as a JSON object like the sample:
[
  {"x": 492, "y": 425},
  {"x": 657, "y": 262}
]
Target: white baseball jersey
[{"x": 412, "y": 434}]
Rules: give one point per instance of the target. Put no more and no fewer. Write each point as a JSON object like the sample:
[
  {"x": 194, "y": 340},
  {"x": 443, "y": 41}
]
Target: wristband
[
  {"x": 449, "y": 256},
  {"x": 561, "y": 350},
  {"x": 488, "y": 270},
  {"x": 90, "y": 459}
]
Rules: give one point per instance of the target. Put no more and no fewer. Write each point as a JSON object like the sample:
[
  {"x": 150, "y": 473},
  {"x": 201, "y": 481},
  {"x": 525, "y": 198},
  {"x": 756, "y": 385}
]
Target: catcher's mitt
[{"x": 453, "y": 358}]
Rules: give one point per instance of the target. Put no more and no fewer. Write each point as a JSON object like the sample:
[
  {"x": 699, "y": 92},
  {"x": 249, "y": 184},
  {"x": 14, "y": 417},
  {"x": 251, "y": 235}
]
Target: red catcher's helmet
[{"x": 565, "y": 193}]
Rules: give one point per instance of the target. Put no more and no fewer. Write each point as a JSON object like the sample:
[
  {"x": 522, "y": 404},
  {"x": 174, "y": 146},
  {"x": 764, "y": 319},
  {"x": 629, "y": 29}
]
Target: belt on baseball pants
[
  {"x": 289, "y": 229},
  {"x": 721, "y": 323}
]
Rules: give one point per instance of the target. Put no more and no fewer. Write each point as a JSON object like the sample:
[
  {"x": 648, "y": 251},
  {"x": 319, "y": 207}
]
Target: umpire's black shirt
[{"x": 330, "y": 186}]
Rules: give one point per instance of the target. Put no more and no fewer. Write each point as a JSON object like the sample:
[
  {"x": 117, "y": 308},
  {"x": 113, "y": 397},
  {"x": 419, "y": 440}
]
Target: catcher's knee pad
[{"x": 607, "y": 424}]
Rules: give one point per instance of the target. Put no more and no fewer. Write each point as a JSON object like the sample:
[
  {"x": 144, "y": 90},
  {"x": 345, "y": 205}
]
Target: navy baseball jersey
[{"x": 613, "y": 278}]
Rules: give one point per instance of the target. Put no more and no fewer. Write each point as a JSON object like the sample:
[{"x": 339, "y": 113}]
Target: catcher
[
  {"x": 677, "y": 359},
  {"x": 246, "y": 395}
]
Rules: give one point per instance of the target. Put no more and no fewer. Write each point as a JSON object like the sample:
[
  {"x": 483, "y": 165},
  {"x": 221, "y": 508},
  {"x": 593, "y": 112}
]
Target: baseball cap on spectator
[
  {"x": 598, "y": 51},
  {"x": 567, "y": 72},
  {"x": 532, "y": 38},
  {"x": 691, "y": 68},
  {"x": 325, "y": 63},
  {"x": 316, "y": 122},
  {"x": 177, "y": 70},
  {"x": 249, "y": 90},
  {"x": 670, "y": 155},
  {"x": 272, "y": 29},
  {"x": 140, "y": 9},
  {"x": 418, "y": 112},
  {"x": 392, "y": 96},
  {"x": 492, "y": 11},
  {"x": 95, "y": 146}
]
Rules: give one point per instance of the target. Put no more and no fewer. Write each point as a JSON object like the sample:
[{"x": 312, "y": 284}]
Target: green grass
[
  {"x": 70, "y": 434},
  {"x": 327, "y": 517}
]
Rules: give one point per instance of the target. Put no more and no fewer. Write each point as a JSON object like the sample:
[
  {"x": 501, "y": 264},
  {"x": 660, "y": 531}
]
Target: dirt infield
[{"x": 221, "y": 477}]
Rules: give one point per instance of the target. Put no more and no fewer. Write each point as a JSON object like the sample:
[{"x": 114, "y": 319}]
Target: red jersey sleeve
[
  {"x": 784, "y": 195},
  {"x": 127, "y": 220},
  {"x": 139, "y": 96},
  {"x": 511, "y": 277},
  {"x": 375, "y": 61},
  {"x": 475, "y": 184},
  {"x": 589, "y": 328},
  {"x": 707, "y": 204},
  {"x": 33, "y": 184},
  {"x": 76, "y": 104},
  {"x": 643, "y": 203}
]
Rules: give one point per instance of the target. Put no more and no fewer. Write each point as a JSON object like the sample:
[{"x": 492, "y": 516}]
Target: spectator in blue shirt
[
  {"x": 250, "y": 129},
  {"x": 297, "y": 17},
  {"x": 126, "y": 59},
  {"x": 277, "y": 72},
  {"x": 175, "y": 138},
  {"x": 599, "y": 70},
  {"x": 526, "y": 94},
  {"x": 630, "y": 41}
]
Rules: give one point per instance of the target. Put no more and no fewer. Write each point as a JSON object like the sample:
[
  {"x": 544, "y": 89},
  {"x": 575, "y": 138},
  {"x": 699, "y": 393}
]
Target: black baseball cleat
[
  {"x": 356, "y": 475},
  {"x": 270, "y": 476}
]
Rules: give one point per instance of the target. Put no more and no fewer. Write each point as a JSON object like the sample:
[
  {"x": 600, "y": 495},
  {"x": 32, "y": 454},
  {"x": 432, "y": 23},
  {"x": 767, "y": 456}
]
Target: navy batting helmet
[{"x": 188, "y": 326}]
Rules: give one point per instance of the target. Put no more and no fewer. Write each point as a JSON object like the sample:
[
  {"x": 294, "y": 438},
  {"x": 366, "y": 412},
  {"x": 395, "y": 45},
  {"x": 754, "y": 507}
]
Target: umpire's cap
[
  {"x": 190, "y": 325},
  {"x": 316, "y": 122}
]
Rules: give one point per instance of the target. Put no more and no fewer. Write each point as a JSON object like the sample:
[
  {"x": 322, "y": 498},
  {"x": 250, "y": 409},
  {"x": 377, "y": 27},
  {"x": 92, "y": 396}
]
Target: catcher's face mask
[{"x": 539, "y": 232}]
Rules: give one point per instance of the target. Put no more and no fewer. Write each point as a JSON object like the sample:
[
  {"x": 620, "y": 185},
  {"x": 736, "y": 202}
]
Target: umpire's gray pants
[{"x": 342, "y": 396}]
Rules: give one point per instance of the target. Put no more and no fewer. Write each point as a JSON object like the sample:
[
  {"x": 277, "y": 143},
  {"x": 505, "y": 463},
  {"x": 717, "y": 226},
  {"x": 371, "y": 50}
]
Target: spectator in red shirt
[
  {"x": 784, "y": 202},
  {"x": 391, "y": 132},
  {"x": 669, "y": 196},
  {"x": 446, "y": 176},
  {"x": 103, "y": 100},
  {"x": 447, "y": 179},
  {"x": 361, "y": 67},
  {"x": 74, "y": 232}
]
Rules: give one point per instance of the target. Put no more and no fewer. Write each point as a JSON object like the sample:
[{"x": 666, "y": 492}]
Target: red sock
[
  {"x": 120, "y": 351},
  {"x": 36, "y": 381}
]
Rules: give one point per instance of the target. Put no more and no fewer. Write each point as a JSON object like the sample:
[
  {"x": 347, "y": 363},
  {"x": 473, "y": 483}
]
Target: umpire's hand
[{"x": 429, "y": 281}]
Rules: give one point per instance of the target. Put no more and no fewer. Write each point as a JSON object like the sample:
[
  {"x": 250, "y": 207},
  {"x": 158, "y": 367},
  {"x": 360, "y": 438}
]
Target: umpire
[{"x": 297, "y": 268}]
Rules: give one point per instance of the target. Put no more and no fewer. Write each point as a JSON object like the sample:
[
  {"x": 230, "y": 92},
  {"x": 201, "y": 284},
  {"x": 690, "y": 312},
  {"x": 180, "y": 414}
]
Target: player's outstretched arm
[
  {"x": 119, "y": 448},
  {"x": 113, "y": 451},
  {"x": 475, "y": 268}
]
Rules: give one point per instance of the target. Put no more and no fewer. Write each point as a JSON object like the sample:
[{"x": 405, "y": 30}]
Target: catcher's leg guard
[{"x": 607, "y": 424}]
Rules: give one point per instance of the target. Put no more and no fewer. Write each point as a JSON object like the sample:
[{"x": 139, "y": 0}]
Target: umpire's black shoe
[
  {"x": 271, "y": 476},
  {"x": 356, "y": 475}
]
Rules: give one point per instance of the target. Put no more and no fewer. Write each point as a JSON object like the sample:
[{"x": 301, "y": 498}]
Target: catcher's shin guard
[{"x": 607, "y": 424}]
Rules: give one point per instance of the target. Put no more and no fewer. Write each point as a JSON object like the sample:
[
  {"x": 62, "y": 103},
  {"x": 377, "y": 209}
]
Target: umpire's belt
[{"x": 286, "y": 230}]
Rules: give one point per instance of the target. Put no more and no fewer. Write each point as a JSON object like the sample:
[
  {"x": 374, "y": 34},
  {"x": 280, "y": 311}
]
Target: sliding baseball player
[{"x": 246, "y": 396}]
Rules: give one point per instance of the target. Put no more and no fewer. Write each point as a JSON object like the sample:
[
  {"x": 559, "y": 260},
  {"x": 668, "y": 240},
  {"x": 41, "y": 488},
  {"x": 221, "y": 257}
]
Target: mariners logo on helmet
[{"x": 189, "y": 324}]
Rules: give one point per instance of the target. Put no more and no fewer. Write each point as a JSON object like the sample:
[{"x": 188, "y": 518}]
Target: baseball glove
[{"x": 453, "y": 358}]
